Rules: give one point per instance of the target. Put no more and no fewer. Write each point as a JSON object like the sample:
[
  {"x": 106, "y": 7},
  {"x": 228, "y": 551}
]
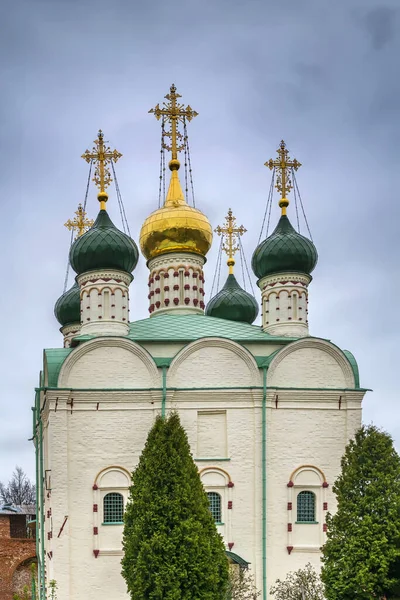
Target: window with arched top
[
  {"x": 306, "y": 507},
  {"x": 113, "y": 508},
  {"x": 214, "y": 500}
]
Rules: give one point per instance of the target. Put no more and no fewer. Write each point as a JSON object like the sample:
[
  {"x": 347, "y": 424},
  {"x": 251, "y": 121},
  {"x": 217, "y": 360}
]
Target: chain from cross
[
  {"x": 102, "y": 156},
  {"x": 283, "y": 164},
  {"x": 230, "y": 232},
  {"x": 175, "y": 113},
  {"x": 79, "y": 223}
]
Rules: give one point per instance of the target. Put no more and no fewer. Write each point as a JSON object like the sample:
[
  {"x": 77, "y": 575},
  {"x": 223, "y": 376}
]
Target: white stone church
[{"x": 268, "y": 409}]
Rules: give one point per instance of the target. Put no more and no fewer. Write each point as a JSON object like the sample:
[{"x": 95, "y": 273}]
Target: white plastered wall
[
  {"x": 312, "y": 412},
  {"x": 97, "y": 428}
]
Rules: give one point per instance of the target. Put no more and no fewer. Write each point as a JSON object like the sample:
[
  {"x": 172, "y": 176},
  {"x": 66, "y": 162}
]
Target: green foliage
[
  {"x": 172, "y": 550},
  {"x": 53, "y": 589},
  {"x": 241, "y": 585},
  {"x": 303, "y": 584},
  {"x": 361, "y": 558}
]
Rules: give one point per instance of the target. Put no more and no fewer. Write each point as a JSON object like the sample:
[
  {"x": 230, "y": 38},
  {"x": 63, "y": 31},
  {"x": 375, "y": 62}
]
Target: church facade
[{"x": 268, "y": 409}]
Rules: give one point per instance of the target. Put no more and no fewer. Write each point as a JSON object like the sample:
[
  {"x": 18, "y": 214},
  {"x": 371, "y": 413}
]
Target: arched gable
[
  {"x": 108, "y": 362},
  {"x": 113, "y": 477},
  {"x": 311, "y": 363},
  {"x": 213, "y": 362}
]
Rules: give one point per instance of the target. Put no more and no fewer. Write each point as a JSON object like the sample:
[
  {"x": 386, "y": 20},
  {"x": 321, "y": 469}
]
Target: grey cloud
[{"x": 380, "y": 23}]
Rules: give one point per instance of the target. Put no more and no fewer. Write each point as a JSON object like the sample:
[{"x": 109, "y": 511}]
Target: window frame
[
  {"x": 121, "y": 497},
  {"x": 306, "y": 494},
  {"x": 219, "y": 508}
]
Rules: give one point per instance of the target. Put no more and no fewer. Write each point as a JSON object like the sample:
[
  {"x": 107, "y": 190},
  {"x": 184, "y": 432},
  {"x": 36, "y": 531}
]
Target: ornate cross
[
  {"x": 102, "y": 156},
  {"x": 283, "y": 180},
  {"x": 174, "y": 112},
  {"x": 79, "y": 223},
  {"x": 231, "y": 233}
]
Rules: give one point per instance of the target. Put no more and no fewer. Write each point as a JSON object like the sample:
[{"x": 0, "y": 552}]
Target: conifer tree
[
  {"x": 172, "y": 550},
  {"x": 361, "y": 558}
]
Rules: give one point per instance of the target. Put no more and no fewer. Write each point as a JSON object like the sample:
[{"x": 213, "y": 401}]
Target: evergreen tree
[
  {"x": 172, "y": 550},
  {"x": 361, "y": 558}
]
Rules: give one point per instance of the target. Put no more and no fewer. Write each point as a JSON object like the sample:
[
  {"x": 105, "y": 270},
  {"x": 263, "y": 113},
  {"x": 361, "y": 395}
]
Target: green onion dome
[
  {"x": 284, "y": 250},
  {"x": 233, "y": 303},
  {"x": 67, "y": 309},
  {"x": 103, "y": 247}
]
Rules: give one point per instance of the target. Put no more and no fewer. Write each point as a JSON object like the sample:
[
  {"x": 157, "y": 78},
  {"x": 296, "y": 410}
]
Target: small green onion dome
[
  {"x": 67, "y": 309},
  {"x": 103, "y": 247},
  {"x": 284, "y": 250},
  {"x": 233, "y": 303}
]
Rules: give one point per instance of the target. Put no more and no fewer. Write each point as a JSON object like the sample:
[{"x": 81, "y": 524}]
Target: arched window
[
  {"x": 113, "y": 508},
  {"x": 306, "y": 507},
  {"x": 215, "y": 506}
]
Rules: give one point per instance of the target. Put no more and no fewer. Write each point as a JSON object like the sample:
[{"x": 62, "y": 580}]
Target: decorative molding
[
  {"x": 107, "y": 342},
  {"x": 213, "y": 342},
  {"x": 319, "y": 344},
  {"x": 104, "y": 276}
]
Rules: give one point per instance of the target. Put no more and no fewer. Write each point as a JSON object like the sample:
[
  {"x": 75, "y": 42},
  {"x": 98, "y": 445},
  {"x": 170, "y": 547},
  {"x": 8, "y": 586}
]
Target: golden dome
[{"x": 176, "y": 227}]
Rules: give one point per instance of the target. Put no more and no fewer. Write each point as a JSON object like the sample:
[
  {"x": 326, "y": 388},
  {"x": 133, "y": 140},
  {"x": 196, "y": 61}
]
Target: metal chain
[
  {"x": 189, "y": 161},
  {"x": 161, "y": 163},
  {"x": 186, "y": 170},
  {"x": 163, "y": 158},
  {"x": 271, "y": 193},
  {"x": 216, "y": 267},
  {"x": 87, "y": 185},
  {"x": 302, "y": 207},
  {"x": 68, "y": 265},
  {"x": 72, "y": 229},
  {"x": 125, "y": 224},
  {"x": 268, "y": 205},
  {"x": 241, "y": 262},
  {"x": 245, "y": 262},
  {"x": 296, "y": 203}
]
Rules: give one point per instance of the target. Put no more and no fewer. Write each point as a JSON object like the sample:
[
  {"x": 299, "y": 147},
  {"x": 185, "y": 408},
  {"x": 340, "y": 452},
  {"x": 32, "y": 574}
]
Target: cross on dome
[
  {"x": 102, "y": 156},
  {"x": 231, "y": 234},
  {"x": 79, "y": 223},
  {"x": 283, "y": 181},
  {"x": 174, "y": 112}
]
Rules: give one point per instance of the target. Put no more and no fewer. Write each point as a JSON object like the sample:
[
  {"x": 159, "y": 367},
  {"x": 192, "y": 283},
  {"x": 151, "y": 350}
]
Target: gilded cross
[
  {"x": 79, "y": 223},
  {"x": 102, "y": 156},
  {"x": 283, "y": 164},
  {"x": 231, "y": 233},
  {"x": 174, "y": 112}
]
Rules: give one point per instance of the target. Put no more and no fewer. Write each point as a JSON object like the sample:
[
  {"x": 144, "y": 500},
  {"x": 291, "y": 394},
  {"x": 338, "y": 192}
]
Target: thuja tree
[
  {"x": 361, "y": 558},
  {"x": 172, "y": 550}
]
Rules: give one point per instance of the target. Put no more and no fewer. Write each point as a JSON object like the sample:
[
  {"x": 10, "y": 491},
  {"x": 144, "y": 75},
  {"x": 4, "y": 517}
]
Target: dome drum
[{"x": 176, "y": 284}]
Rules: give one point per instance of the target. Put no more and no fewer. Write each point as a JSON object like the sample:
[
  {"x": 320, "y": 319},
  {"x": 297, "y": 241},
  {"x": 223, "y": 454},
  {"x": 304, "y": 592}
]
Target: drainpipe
[
  {"x": 164, "y": 391},
  {"x": 42, "y": 569},
  {"x": 35, "y": 440},
  {"x": 264, "y": 482}
]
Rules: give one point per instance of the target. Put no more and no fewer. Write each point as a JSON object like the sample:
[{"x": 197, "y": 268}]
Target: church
[{"x": 268, "y": 409}]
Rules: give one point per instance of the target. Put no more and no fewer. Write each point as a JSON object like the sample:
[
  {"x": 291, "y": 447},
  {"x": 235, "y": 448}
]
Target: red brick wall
[{"x": 13, "y": 552}]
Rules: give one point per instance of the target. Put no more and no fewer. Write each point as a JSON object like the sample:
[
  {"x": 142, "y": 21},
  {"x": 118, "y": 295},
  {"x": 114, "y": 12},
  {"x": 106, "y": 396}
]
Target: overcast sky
[{"x": 322, "y": 75}]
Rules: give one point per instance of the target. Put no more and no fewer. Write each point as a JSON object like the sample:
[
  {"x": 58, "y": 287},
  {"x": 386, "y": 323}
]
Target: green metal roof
[
  {"x": 55, "y": 358},
  {"x": 284, "y": 250},
  {"x": 354, "y": 366},
  {"x": 238, "y": 560},
  {"x": 187, "y": 328},
  {"x": 233, "y": 303},
  {"x": 103, "y": 247}
]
